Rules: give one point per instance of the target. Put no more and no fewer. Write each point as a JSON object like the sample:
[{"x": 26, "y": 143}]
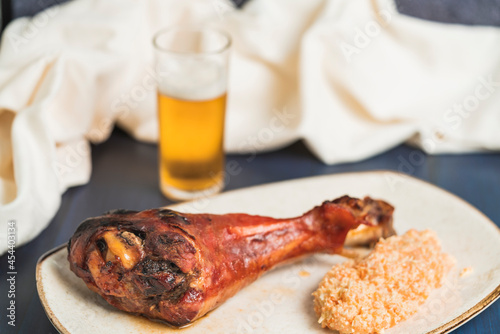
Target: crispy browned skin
[{"x": 177, "y": 267}]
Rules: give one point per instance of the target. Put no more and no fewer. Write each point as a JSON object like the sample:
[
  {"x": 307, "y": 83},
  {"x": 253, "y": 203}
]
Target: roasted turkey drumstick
[{"x": 176, "y": 267}]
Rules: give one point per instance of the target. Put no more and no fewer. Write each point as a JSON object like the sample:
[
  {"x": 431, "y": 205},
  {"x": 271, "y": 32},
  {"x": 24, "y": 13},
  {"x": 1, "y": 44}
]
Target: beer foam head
[{"x": 192, "y": 78}]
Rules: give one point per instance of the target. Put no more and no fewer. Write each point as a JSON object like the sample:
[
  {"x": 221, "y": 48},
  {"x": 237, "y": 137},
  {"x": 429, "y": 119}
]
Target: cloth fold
[{"x": 351, "y": 78}]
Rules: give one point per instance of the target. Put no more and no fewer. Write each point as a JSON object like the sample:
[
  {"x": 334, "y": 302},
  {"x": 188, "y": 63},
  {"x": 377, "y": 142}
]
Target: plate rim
[
  {"x": 41, "y": 294},
  {"x": 443, "y": 329}
]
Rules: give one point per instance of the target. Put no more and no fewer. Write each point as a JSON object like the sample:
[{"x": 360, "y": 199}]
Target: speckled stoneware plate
[{"x": 280, "y": 301}]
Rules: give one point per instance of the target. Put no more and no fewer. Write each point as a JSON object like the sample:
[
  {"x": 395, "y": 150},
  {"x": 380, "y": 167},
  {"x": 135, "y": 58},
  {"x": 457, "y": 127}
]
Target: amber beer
[
  {"x": 191, "y": 143},
  {"x": 191, "y": 64}
]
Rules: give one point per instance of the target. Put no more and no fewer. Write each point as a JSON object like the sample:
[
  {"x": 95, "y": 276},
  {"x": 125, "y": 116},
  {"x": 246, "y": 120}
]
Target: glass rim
[{"x": 189, "y": 27}]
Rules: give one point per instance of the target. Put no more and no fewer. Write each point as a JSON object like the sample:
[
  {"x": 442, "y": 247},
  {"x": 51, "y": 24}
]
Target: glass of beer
[{"x": 191, "y": 65}]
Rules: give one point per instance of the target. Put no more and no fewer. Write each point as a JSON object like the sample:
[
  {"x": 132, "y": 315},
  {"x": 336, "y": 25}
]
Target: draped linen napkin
[{"x": 351, "y": 78}]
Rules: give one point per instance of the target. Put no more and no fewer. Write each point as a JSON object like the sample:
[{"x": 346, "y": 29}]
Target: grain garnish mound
[{"x": 375, "y": 293}]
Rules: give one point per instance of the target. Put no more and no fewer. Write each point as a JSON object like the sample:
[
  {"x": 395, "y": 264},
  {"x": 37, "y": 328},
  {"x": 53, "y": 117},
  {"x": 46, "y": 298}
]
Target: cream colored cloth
[{"x": 351, "y": 77}]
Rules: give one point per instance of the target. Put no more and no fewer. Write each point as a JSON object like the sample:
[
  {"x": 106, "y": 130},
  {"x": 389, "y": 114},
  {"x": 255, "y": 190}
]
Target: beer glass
[{"x": 191, "y": 64}]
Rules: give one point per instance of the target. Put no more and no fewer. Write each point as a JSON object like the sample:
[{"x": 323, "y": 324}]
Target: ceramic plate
[{"x": 280, "y": 301}]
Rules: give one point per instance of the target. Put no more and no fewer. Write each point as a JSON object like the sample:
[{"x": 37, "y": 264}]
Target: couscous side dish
[{"x": 375, "y": 293}]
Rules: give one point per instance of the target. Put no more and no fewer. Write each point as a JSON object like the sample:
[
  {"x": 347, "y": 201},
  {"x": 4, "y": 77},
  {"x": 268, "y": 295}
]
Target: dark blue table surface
[{"x": 125, "y": 176}]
